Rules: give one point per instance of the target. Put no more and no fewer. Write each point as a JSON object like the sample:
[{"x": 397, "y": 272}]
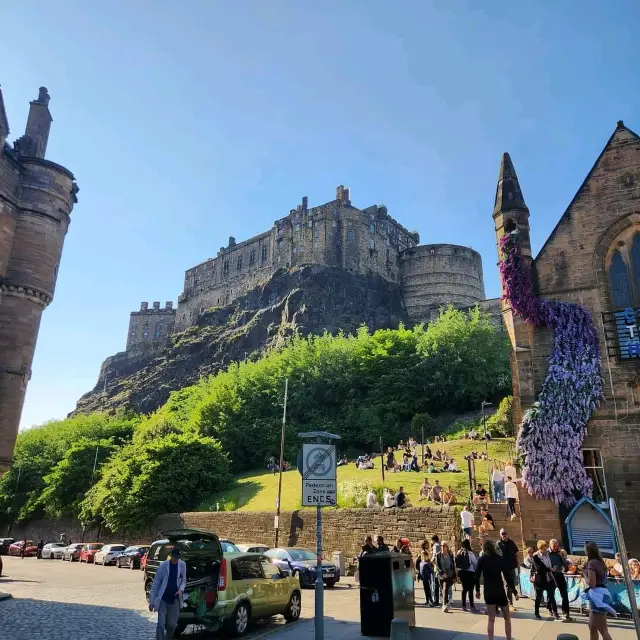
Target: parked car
[
  {"x": 224, "y": 589},
  {"x": 5, "y": 543},
  {"x": 132, "y": 557},
  {"x": 108, "y": 554},
  {"x": 253, "y": 548},
  {"x": 89, "y": 551},
  {"x": 229, "y": 547},
  {"x": 52, "y": 551},
  {"x": 302, "y": 564},
  {"x": 72, "y": 552},
  {"x": 31, "y": 550}
]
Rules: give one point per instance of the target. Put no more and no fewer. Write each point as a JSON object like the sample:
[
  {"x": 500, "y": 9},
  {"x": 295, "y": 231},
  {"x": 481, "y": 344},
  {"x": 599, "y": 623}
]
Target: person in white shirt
[
  {"x": 466, "y": 518},
  {"x": 510, "y": 470},
  {"x": 388, "y": 499},
  {"x": 372, "y": 501},
  {"x": 511, "y": 492}
]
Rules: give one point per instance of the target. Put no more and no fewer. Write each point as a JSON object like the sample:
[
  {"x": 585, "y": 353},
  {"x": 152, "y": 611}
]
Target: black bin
[{"x": 386, "y": 592}]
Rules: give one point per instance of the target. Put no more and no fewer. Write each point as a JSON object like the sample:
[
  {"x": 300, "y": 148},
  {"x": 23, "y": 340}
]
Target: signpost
[{"x": 317, "y": 465}]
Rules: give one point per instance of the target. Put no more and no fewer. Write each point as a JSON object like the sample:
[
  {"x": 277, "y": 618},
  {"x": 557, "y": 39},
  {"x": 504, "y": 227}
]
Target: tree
[
  {"x": 167, "y": 474},
  {"x": 422, "y": 421}
]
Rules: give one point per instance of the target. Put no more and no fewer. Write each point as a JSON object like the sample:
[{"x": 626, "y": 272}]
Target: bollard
[
  {"x": 400, "y": 629},
  {"x": 567, "y": 636}
]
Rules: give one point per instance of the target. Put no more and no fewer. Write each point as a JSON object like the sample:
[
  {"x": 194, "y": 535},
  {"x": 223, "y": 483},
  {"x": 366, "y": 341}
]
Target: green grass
[{"x": 257, "y": 490}]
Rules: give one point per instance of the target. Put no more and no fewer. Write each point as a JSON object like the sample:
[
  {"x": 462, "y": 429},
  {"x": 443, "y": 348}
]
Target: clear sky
[{"x": 187, "y": 122}]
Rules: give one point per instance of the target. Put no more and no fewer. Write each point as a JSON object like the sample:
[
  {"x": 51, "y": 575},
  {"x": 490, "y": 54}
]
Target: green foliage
[
  {"x": 364, "y": 387},
  {"x": 500, "y": 423},
  {"x": 352, "y": 494},
  {"x": 166, "y": 474}
]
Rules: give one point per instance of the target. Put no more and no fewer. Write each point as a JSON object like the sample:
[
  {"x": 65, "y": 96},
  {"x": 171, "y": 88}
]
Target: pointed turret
[
  {"x": 508, "y": 193},
  {"x": 4, "y": 123}
]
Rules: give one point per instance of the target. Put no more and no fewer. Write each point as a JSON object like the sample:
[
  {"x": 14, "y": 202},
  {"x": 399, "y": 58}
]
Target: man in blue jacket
[{"x": 166, "y": 594}]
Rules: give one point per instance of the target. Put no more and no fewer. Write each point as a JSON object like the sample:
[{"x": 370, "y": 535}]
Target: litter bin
[
  {"x": 386, "y": 592},
  {"x": 338, "y": 560}
]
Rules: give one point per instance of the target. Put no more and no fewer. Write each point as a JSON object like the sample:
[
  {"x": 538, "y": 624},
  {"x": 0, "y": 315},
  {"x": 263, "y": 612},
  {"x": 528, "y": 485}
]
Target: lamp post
[
  {"x": 382, "y": 459},
  {"x": 422, "y": 461},
  {"x": 486, "y": 443},
  {"x": 284, "y": 423}
]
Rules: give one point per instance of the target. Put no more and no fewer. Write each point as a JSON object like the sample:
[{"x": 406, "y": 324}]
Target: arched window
[
  {"x": 635, "y": 260},
  {"x": 158, "y": 330},
  {"x": 620, "y": 282}
]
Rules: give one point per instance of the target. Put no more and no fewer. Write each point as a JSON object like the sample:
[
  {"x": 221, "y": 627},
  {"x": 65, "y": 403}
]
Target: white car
[
  {"x": 53, "y": 551},
  {"x": 108, "y": 554},
  {"x": 253, "y": 548}
]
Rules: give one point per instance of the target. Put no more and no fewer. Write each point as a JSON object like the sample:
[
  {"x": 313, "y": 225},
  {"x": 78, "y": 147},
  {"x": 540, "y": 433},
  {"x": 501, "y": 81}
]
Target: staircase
[{"x": 502, "y": 520}]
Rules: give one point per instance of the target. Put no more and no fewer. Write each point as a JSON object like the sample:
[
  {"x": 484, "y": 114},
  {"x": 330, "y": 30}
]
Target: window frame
[{"x": 598, "y": 451}]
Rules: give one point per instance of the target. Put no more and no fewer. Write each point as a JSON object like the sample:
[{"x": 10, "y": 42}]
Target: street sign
[{"x": 319, "y": 475}]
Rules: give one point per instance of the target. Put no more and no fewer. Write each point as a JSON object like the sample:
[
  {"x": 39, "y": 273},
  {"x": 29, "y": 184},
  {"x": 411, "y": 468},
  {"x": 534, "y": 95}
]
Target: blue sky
[{"x": 188, "y": 122}]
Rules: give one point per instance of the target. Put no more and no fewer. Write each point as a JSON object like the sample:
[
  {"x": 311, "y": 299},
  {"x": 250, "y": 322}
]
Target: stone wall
[
  {"x": 343, "y": 529},
  {"x": 151, "y": 325}
]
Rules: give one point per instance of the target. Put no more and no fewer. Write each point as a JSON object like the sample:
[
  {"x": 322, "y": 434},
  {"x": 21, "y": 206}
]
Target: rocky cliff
[{"x": 306, "y": 300}]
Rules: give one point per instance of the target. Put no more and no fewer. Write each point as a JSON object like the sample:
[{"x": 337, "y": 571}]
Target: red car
[
  {"x": 30, "y": 549},
  {"x": 89, "y": 551}
]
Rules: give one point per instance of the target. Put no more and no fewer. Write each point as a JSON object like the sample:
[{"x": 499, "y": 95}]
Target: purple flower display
[{"x": 552, "y": 431}]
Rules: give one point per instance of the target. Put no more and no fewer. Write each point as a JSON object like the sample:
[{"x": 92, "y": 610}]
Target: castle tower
[
  {"x": 509, "y": 213},
  {"x": 36, "y": 200}
]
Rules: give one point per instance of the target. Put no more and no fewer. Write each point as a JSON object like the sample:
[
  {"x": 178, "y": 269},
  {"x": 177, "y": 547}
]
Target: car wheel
[
  {"x": 330, "y": 584},
  {"x": 132, "y": 564},
  {"x": 179, "y": 630},
  {"x": 147, "y": 590},
  {"x": 292, "y": 612},
  {"x": 238, "y": 623},
  {"x": 118, "y": 564}
]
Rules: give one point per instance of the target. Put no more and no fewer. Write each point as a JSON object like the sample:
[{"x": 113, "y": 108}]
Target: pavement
[{"x": 55, "y": 600}]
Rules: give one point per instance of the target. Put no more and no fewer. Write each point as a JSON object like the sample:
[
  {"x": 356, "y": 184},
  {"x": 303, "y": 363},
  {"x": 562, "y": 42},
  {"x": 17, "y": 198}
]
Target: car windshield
[
  {"x": 302, "y": 554},
  {"x": 56, "y": 544},
  {"x": 94, "y": 547},
  {"x": 117, "y": 547}
]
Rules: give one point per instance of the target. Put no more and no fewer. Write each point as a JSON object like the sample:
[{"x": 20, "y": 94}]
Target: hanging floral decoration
[{"x": 552, "y": 431}]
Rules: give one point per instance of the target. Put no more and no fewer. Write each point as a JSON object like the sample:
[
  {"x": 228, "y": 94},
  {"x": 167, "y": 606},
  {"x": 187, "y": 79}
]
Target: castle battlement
[{"x": 149, "y": 325}]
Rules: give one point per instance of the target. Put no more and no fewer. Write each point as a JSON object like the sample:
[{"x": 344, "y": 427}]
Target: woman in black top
[
  {"x": 544, "y": 580},
  {"x": 491, "y": 568}
]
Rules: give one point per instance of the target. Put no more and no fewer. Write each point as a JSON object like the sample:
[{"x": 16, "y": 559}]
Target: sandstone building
[
  {"x": 36, "y": 199},
  {"x": 336, "y": 234},
  {"x": 592, "y": 258}
]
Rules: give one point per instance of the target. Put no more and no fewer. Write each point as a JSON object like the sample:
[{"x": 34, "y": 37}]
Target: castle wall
[
  {"x": 437, "y": 275},
  {"x": 151, "y": 325},
  {"x": 334, "y": 234}
]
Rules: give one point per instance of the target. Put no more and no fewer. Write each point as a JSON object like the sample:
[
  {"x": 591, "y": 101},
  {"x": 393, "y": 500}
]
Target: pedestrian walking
[
  {"x": 39, "y": 549},
  {"x": 466, "y": 519},
  {"x": 511, "y": 492},
  {"x": 543, "y": 580},
  {"x": 166, "y": 594},
  {"x": 446, "y": 568},
  {"x": 23, "y": 550},
  {"x": 497, "y": 478},
  {"x": 490, "y": 569},
  {"x": 509, "y": 550},
  {"x": 595, "y": 577},
  {"x": 435, "y": 584},
  {"x": 466, "y": 563},
  {"x": 558, "y": 566},
  {"x": 426, "y": 574}
]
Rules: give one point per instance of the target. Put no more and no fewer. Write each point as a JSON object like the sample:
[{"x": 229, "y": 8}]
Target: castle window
[
  {"x": 620, "y": 282},
  {"x": 280, "y": 242},
  {"x": 145, "y": 330},
  {"x": 225, "y": 267},
  {"x": 635, "y": 261},
  {"x": 351, "y": 235},
  {"x": 264, "y": 253},
  {"x": 297, "y": 226},
  {"x": 239, "y": 264},
  {"x": 372, "y": 244},
  {"x": 157, "y": 333},
  {"x": 592, "y": 462},
  {"x": 201, "y": 309},
  {"x": 372, "y": 227},
  {"x": 252, "y": 257},
  {"x": 316, "y": 233},
  {"x": 310, "y": 223}
]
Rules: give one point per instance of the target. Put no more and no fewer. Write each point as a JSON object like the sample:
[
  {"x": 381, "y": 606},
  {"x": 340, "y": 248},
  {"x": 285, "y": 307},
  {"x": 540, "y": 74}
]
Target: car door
[
  {"x": 250, "y": 581},
  {"x": 277, "y": 598}
]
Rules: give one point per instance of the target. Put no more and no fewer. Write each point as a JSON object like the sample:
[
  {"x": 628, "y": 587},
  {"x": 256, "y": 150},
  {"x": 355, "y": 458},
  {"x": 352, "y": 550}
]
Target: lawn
[{"x": 258, "y": 490}]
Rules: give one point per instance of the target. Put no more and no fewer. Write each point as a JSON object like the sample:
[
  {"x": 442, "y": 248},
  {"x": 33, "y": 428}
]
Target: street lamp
[{"x": 486, "y": 443}]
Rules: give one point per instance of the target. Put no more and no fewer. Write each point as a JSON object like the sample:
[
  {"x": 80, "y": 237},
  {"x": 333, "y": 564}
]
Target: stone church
[{"x": 592, "y": 258}]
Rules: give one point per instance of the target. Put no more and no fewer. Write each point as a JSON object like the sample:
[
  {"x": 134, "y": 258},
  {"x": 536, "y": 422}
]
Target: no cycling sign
[{"x": 319, "y": 475}]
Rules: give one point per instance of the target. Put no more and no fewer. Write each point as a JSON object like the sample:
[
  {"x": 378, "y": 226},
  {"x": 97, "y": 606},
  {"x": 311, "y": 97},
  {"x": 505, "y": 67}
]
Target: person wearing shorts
[
  {"x": 466, "y": 519},
  {"x": 490, "y": 569}
]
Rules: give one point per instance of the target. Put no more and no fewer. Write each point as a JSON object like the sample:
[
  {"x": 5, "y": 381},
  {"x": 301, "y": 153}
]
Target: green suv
[{"x": 224, "y": 590}]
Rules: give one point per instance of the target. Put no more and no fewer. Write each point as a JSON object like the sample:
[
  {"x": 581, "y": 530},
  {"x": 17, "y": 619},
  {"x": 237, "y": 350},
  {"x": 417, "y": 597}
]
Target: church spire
[{"x": 508, "y": 193}]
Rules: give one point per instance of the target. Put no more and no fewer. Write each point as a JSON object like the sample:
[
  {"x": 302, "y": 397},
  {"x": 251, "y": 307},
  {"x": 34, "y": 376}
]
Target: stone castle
[
  {"x": 36, "y": 199},
  {"x": 336, "y": 234}
]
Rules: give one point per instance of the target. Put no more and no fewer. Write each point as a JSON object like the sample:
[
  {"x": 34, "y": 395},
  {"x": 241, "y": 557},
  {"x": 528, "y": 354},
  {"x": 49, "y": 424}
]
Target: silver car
[
  {"x": 108, "y": 554},
  {"x": 72, "y": 552},
  {"x": 53, "y": 551}
]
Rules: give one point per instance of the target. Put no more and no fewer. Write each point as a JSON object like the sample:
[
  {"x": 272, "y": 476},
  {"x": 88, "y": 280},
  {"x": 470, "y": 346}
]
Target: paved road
[{"x": 55, "y": 600}]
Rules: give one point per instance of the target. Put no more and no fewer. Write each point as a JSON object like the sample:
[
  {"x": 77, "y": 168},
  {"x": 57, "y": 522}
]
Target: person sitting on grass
[
  {"x": 400, "y": 499},
  {"x": 449, "y": 497},
  {"x": 431, "y": 468},
  {"x": 436, "y": 492},
  {"x": 425, "y": 490},
  {"x": 453, "y": 467}
]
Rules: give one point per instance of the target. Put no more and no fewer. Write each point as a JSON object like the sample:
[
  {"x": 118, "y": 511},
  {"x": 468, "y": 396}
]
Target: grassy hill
[{"x": 258, "y": 490}]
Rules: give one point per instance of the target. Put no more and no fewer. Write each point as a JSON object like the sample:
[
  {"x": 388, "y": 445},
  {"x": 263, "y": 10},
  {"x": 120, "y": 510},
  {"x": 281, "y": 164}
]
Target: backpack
[{"x": 462, "y": 560}]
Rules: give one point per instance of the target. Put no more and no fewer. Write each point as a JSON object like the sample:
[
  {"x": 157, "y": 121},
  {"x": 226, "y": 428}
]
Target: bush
[
  {"x": 352, "y": 494},
  {"x": 168, "y": 474},
  {"x": 501, "y": 422}
]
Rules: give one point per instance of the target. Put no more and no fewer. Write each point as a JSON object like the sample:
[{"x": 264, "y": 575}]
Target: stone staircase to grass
[{"x": 502, "y": 519}]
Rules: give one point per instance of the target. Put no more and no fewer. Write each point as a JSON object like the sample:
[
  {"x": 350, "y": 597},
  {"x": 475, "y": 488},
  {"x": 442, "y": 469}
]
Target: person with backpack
[
  {"x": 466, "y": 563},
  {"x": 446, "y": 566}
]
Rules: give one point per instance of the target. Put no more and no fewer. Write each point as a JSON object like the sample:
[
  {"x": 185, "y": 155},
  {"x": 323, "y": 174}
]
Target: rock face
[{"x": 305, "y": 300}]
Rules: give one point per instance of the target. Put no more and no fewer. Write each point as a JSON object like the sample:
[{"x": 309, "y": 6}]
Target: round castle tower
[
  {"x": 36, "y": 198},
  {"x": 436, "y": 275}
]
